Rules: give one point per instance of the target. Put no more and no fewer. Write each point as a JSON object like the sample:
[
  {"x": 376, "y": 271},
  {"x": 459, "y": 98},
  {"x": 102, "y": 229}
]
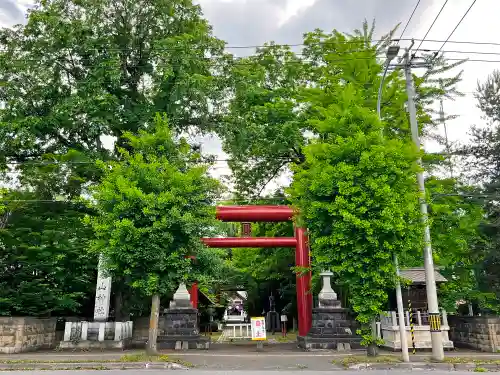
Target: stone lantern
[
  {"x": 333, "y": 327},
  {"x": 180, "y": 329},
  {"x": 327, "y": 297}
]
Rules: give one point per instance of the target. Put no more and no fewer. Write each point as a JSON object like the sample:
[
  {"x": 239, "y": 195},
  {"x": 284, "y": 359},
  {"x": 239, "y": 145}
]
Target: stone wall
[
  {"x": 475, "y": 332},
  {"x": 25, "y": 334}
]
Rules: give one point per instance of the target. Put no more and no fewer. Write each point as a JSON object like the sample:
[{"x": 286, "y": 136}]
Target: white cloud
[{"x": 293, "y": 8}]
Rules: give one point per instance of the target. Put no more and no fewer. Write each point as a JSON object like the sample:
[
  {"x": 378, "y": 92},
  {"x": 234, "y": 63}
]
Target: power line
[
  {"x": 250, "y": 200},
  {"x": 228, "y": 200},
  {"x": 430, "y": 28},
  {"x": 278, "y": 45},
  {"x": 238, "y": 62},
  {"x": 456, "y": 42},
  {"x": 69, "y": 162},
  {"x": 458, "y": 24},
  {"x": 411, "y": 16}
]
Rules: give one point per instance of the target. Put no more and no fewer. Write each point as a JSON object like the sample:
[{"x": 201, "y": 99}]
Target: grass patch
[
  {"x": 459, "y": 360},
  {"x": 355, "y": 359},
  {"x": 143, "y": 357},
  {"x": 480, "y": 369},
  {"x": 95, "y": 368},
  {"x": 127, "y": 358},
  {"x": 290, "y": 337}
]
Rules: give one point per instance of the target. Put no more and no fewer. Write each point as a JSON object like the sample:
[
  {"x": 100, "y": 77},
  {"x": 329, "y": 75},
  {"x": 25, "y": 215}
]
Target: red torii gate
[{"x": 299, "y": 241}]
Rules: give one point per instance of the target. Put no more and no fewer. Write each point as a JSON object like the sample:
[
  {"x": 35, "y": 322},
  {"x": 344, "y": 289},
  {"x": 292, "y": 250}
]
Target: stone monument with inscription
[
  {"x": 99, "y": 333},
  {"x": 102, "y": 293},
  {"x": 181, "y": 324},
  {"x": 333, "y": 327}
]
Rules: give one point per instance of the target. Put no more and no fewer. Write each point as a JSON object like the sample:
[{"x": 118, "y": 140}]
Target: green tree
[
  {"x": 356, "y": 192},
  {"x": 268, "y": 118},
  {"x": 83, "y": 71},
  {"x": 153, "y": 208},
  {"x": 40, "y": 242},
  {"x": 482, "y": 163},
  {"x": 458, "y": 241},
  {"x": 79, "y": 70}
]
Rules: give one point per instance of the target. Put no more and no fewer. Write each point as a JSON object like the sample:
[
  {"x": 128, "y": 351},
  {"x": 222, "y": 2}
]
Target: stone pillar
[
  {"x": 68, "y": 326},
  {"x": 102, "y": 294},
  {"x": 102, "y": 332},
  {"x": 119, "y": 331},
  {"x": 85, "y": 330}
]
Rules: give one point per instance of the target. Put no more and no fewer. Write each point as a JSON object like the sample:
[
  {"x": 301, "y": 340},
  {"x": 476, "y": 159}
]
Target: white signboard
[
  {"x": 102, "y": 294},
  {"x": 258, "y": 328}
]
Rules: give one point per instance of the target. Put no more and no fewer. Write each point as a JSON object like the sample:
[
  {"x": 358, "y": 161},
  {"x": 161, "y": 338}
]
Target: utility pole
[
  {"x": 401, "y": 314},
  {"x": 392, "y": 52},
  {"x": 430, "y": 281}
]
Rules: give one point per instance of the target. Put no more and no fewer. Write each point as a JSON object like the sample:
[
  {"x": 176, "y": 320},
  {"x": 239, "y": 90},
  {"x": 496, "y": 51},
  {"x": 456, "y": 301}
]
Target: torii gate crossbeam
[{"x": 299, "y": 241}]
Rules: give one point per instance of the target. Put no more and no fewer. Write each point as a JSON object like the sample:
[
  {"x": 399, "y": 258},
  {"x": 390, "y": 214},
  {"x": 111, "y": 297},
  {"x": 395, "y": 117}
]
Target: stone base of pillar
[
  {"x": 101, "y": 345},
  {"x": 183, "y": 342},
  {"x": 97, "y": 335},
  {"x": 332, "y": 328}
]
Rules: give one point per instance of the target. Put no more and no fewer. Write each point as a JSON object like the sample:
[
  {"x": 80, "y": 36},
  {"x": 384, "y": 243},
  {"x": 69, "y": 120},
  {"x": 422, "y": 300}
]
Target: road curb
[
  {"x": 421, "y": 366},
  {"x": 414, "y": 366},
  {"x": 27, "y": 366}
]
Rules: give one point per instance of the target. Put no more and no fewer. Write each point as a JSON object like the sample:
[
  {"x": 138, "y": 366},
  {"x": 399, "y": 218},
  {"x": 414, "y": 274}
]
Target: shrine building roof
[{"x": 417, "y": 275}]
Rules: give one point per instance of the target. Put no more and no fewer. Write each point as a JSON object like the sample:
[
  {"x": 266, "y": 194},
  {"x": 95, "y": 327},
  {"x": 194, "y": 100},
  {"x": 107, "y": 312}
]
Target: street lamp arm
[{"x": 380, "y": 88}]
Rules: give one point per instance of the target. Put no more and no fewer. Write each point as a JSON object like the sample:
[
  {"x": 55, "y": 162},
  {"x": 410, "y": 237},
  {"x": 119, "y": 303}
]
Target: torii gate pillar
[{"x": 299, "y": 241}]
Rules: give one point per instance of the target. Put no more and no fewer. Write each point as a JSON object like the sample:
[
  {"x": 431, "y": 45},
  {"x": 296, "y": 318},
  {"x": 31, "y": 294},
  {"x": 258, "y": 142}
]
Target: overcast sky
[{"x": 254, "y": 22}]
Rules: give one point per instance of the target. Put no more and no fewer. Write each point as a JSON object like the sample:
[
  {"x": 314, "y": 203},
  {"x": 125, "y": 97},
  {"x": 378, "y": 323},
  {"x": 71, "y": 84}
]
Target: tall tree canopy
[
  {"x": 268, "y": 118},
  {"x": 482, "y": 159},
  {"x": 40, "y": 243},
  {"x": 81, "y": 73},
  {"x": 153, "y": 207},
  {"x": 80, "y": 69},
  {"x": 356, "y": 193}
]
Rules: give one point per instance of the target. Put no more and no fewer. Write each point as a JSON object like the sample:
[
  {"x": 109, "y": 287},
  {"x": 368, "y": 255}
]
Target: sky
[{"x": 254, "y": 22}]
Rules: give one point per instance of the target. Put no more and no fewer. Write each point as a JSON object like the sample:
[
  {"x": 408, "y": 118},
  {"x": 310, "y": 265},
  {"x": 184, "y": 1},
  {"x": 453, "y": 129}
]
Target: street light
[{"x": 392, "y": 52}]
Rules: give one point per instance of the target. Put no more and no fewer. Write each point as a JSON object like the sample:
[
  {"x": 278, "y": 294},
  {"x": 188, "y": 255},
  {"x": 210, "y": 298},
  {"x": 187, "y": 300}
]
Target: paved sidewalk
[
  {"x": 245, "y": 357},
  {"x": 219, "y": 351}
]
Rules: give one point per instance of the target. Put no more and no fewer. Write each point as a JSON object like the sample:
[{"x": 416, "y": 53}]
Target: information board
[{"x": 258, "y": 328}]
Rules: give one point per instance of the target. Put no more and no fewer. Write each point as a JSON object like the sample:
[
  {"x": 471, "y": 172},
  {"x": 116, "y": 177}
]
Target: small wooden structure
[
  {"x": 416, "y": 297},
  {"x": 416, "y": 292}
]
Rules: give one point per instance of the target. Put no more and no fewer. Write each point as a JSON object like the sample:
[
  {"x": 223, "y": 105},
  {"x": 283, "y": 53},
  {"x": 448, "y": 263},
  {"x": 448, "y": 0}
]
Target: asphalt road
[{"x": 213, "y": 372}]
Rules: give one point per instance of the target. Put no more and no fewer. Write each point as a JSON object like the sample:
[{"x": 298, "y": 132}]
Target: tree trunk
[
  {"x": 119, "y": 306},
  {"x": 153, "y": 325},
  {"x": 372, "y": 349}
]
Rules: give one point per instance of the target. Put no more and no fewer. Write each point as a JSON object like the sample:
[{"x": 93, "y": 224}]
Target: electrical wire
[
  {"x": 229, "y": 200},
  {"x": 458, "y": 24},
  {"x": 166, "y": 49},
  {"x": 411, "y": 16},
  {"x": 249, "y": 200},
  {"x": 70, "y": 162},
  {"x": 339, "y": 59},
  {"x": 430, "y": 28}
]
